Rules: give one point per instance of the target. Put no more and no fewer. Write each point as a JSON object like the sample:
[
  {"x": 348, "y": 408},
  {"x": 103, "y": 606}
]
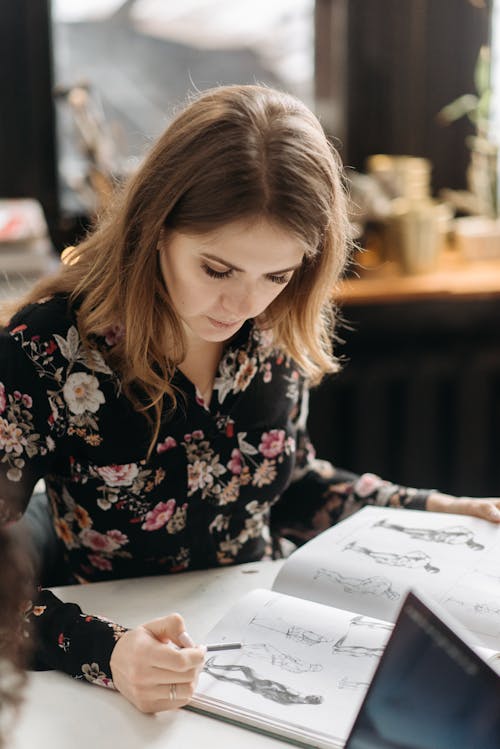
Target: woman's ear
[{"x": 161, "y": 239}]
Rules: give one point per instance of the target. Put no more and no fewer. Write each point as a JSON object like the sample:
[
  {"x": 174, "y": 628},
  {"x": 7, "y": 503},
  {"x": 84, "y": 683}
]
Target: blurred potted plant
[
  {"x": 482, "y": 172},
  {"x": 478, "y": 235}
]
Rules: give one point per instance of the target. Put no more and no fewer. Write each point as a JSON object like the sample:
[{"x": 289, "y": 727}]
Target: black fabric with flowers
[{"x": 223, "y": 480}]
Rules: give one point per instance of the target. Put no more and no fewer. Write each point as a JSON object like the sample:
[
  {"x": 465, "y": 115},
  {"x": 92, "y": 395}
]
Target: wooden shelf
[{"x": 453, "y": 279}]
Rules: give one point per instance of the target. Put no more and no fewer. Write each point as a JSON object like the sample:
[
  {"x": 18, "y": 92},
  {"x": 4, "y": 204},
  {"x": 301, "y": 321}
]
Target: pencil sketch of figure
[
  {"x": 479, "y": 608},
  {"x": 454, "y": 534},
  {"x": 292, "y": 632},
  {"x": 410, "y": 559},
  {"x": 485, "y": 608},
  {"x": 245, "y": 677},
  {"x": 363, "y": 621},
  {"x": 357, "y": 651},
  {"x": 377, "y": 585},
  {"x": 346, "y": 683},
  {"x": 283, "y": 660},
  {"x": 347, "y": 643}
]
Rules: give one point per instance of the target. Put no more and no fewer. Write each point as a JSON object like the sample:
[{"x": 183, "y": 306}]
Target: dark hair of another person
[{"x": 15, "y": 594}]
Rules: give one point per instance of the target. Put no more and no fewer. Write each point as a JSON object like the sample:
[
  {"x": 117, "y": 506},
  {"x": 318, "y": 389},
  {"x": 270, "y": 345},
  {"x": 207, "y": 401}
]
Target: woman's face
[{"x": 220, "y": 279}]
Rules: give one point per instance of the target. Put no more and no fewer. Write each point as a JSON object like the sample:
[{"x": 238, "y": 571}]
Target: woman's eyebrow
[{"x": 216, "y": 259}]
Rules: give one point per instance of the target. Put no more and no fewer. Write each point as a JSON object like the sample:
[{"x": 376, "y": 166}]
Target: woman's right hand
[{"x": 156, "y": 666}]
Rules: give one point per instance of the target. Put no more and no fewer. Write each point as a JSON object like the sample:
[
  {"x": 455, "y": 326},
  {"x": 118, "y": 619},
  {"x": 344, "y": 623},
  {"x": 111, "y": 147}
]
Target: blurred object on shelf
[
  {"x": 21, "y": 220},
  {"x": 415, "y": 225},
  {"x": 477, "y": 237},
  {"x": 400, "y": 176},
  {"x": 461, "y": 201},
  {"x": 368, "y": 201},
  {"x": 415, "y": 233},
  {"x": 103, "y": 164},
  {"x": 26, "y": 252}
]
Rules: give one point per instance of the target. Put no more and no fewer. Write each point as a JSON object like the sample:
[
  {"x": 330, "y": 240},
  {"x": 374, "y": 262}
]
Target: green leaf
[
  {"x": 462, "y": 106},
  {"x": 482, "y": 70}
]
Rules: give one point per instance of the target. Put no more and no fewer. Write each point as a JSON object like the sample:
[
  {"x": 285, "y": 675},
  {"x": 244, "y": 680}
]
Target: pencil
[{"x": 224, "y": 646}]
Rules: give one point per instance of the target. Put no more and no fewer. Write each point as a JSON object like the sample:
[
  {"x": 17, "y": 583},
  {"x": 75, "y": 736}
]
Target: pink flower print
[
  {"x": 367, "y": 484},
  {"x": 273, "y": 443},
  {"x": 100, "y": 541},
  {"x": 50, "y": 347},
  {"x": 198, "y": 434},
  {"x": 18, "y": 329},
  {"x": 117, "y": 536},
  {"x": 168, "y": 444},
  {"x": 159, "y": 515},
  {"x": 114, "y": 334},
  {"x": 118, "y": 475},
  {"x": 26, "y": 400},
  {"x": 235, "y": 464},
  {"x": 100, "y": 562},
  {"x": 3, "y": 399}
]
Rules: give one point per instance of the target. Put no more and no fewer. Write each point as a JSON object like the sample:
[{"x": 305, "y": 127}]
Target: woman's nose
[{"x": 239, "y": 304}]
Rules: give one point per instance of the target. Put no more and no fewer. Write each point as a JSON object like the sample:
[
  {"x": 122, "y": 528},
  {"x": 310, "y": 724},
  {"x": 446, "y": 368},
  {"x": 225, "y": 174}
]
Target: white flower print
[
  {"x": 203, "y": 466},
  {"x": 92, "y": 672},
  {"x": 245, "y": 374},
  {"x": 265, "y": 473},
  {"x": 118, "y": 475},
  {"x": 12, "y": 439},
  {"x": 257, "y": 508},
  {"x": 177, "y": 522},
  {"x": 81, "y": 393},
  {"x": 15, "y": 474},
  {"x": 219, "y": 523}
]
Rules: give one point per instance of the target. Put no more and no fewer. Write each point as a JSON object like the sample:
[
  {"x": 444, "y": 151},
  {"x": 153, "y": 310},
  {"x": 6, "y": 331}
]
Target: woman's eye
[
  {"x": 282, "y": 279},
  {"x": 216, "y": 273}
]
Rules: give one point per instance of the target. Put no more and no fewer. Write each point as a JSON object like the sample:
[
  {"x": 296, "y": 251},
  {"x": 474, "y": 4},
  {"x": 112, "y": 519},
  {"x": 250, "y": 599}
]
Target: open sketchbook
[{"x": 312, "y": 643}]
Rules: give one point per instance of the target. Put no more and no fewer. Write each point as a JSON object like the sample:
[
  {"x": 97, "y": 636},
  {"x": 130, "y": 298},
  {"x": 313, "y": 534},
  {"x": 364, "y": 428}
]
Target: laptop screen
[{"x": 430, "y": 690}]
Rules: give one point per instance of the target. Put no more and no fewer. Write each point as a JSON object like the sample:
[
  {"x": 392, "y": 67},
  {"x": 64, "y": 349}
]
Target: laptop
[{"x": 430, "y": 690}]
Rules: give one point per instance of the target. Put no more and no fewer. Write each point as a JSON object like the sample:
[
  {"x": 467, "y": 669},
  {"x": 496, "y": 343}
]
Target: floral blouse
[{"x": 224, "y": 482}]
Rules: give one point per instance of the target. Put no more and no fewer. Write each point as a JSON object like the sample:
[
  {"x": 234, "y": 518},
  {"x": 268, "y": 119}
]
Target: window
[{"x": 135, "y": 62}]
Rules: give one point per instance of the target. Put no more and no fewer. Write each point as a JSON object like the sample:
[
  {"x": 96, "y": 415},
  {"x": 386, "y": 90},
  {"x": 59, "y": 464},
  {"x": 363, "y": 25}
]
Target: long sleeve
[
  {"x": 68, "y": 640},
  {"x": 320, "y": 494},
  {"x": 63, "y": 637}
]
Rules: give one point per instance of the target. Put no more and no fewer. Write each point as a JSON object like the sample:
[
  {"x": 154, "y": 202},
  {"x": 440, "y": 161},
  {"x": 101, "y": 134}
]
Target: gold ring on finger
[{"x": 173, "y": 692}]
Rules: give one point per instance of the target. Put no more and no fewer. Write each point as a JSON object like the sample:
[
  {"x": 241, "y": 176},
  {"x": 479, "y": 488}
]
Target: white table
[{"x": 61, "y": 713}]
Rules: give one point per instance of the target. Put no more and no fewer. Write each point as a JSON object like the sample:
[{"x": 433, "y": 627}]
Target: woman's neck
[{"x": 200, "y": 365}]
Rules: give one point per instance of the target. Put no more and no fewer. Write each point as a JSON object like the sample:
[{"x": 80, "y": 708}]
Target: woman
[{"x": 159, "y": 381}]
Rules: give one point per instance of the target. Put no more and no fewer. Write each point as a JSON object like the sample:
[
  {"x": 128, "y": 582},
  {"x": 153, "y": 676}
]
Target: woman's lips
[{"x": 223, "y": 324}]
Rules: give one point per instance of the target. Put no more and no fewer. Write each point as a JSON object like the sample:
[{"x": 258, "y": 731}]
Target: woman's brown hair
[{"x": 234, "y": 152}]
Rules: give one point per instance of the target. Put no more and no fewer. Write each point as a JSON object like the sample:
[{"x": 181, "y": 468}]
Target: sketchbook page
[
  {"x": 492, "y": 657},
  {"x": 301, "y": 673},
  {"x": 368, "y": 562}
]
